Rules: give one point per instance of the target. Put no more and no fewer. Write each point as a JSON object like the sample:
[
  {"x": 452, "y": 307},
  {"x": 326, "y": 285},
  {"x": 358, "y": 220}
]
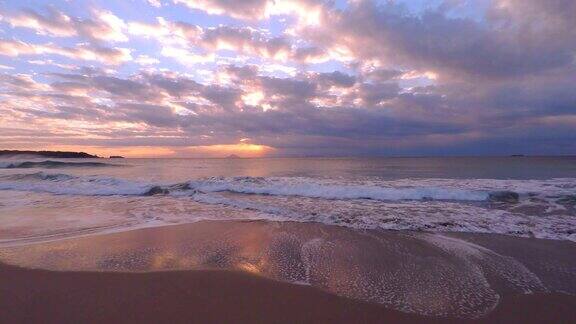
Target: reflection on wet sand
[{"x": 444, "y": 275}]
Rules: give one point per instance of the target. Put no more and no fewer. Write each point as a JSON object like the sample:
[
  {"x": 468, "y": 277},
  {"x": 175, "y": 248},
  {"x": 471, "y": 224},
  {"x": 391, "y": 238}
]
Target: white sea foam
[
  {"x": 333, "y": 190},
  {"x": 384, "y": 190},
  {"x": 66, "y": 184},
  {"x": 388, "y": 190},
  {"x": 545, "y": 208}
]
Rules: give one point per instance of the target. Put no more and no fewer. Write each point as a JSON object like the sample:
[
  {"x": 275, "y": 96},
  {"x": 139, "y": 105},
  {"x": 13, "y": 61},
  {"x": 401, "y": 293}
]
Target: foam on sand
[{"x": 423, "y": 273}]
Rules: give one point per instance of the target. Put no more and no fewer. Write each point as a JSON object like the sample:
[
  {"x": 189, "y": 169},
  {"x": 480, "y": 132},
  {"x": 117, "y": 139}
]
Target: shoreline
[
  {"x": 362, "y": 274},
  {"x": 96, "y": 231}
]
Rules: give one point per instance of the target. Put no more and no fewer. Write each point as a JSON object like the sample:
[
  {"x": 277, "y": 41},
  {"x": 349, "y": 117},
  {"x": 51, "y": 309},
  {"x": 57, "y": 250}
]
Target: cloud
[
  {"x": 172, "y": 83},
  {"x": 146, "y": 60},
  {"x": 247, "y": 9},
  {"x": 123, "y": 88},
  {"x": 191, "y": 44},
  {"x": 54, "y": 23},
  {"x": 19, "y": 82},
  {"x": 335, "y": 79},
  {"x": 516, "y": 40},
  {"x": 246, "y": 41},
  {"x": 166, "y": 32},
  {"x": 153, "y": 115},
  {"x": 103, "y": 26},
  {"x": 307, "y": 12},
  {"x": 365, "y": 78},
  {"x": 310, "y": 113},
  {"x": 51, "y": 62},
  {"x": 185, "y": 57},
  {"x": 154, "y": 3},
  {"x": 113, "y": 56}
]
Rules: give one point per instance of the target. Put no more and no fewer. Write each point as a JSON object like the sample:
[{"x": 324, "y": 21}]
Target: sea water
[{"x": 46, "y": 199}]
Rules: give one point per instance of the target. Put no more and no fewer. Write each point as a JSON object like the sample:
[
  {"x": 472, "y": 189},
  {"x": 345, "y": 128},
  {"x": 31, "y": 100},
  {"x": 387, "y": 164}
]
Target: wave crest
[{"x": 328, "y": 190}]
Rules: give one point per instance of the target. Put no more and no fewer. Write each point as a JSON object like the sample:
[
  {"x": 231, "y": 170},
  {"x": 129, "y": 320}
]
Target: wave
[
  {"x": 529, "y": 208},
  {"x": 52, "y": 164},
  {"x": 38, "y": 176},
  {"x": 94, "y": 185},
  {"x": 480, "y": 190},
  {"x": 312, "y": 189},
  {"x": 65, "y": 184}
]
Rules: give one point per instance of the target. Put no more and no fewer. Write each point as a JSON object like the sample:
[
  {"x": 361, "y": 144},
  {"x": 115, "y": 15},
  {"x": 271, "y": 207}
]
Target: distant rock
[
  {"x": 505, "y": 196},
  {"x": 233, "y": 156},
  {"x": 49, "y": 154},
  {"x": 116, "y": 157},
  {"x": 55, "y": 164},
  {"x": 156, "y": 190}
]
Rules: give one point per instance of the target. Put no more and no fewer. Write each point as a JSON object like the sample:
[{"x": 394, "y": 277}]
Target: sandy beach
[{"x": 267, "y": 272}]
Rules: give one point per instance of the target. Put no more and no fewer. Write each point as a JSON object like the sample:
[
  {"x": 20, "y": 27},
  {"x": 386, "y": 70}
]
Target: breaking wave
[
  {"x": 529, "y": 208},
  {"x": 327, "y": 190},
  {"x": 65, "y": 184},
  {"x": 478, "y": 190},
  {"x": 301, "y": 187}
]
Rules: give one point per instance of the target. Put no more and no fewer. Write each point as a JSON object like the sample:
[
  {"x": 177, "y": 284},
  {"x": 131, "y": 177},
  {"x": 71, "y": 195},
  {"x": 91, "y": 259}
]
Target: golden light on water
[
  {"x": 242, "y": 149},
  {"x": 248, "y": 267}
]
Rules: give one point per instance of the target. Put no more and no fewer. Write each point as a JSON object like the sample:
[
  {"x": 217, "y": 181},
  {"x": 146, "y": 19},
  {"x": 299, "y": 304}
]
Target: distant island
[
  {"x": 233, "y": 156},
  {"x": 116, "y": 157},
  {"x": 50, "y": 154}
]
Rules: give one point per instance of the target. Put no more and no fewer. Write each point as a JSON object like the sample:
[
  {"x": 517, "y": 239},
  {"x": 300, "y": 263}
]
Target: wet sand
[
  {"x": 191, "y": 296},
  {"x": 40, "y": 296},
  {"x": 240, "y": 272}
]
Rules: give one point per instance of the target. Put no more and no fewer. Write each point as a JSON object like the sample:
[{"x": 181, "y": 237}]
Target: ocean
[{"x": 47, "y": 199}]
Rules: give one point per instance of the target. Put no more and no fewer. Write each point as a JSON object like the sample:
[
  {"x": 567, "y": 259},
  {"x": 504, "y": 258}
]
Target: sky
[{"x": 210, "y": 78}]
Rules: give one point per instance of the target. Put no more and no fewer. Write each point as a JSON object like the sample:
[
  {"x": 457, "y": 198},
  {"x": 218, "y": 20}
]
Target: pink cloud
[
  {"x": 103, "y": 26},
  {"x": 112, "y": 56}
]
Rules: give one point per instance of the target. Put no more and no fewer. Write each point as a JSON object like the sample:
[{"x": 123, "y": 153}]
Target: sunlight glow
[
  {"x": 253, "y": 98},
  {"x": 242, "y": 149}
]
